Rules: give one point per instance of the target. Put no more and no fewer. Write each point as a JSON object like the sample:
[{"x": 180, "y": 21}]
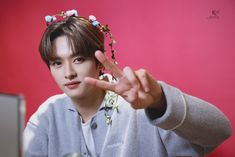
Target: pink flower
[{"x": 92, "y": 18}]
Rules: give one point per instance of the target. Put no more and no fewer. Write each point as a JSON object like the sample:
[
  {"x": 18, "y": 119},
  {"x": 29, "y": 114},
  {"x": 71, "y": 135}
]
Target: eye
[
  {"x": 55, "y": 64},
  {"x": 79, "y": 60}
]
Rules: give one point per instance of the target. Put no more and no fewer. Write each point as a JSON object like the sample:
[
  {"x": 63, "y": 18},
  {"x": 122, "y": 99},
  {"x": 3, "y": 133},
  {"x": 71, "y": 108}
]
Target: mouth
[{"x": 72, "y": 84}]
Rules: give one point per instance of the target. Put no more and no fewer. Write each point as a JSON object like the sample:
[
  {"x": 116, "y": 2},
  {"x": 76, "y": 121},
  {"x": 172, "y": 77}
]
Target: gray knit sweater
[{"x": 189, "y": 127}]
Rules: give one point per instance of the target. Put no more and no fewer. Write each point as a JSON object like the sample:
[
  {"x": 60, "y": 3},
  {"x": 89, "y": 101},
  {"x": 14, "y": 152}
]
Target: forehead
[{"x": 61, "y": 46}]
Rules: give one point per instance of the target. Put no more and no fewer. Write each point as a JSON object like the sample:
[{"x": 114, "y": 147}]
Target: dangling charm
[
  {"x": 110, "y": 103},
  {"x": 108, "y": 119}
]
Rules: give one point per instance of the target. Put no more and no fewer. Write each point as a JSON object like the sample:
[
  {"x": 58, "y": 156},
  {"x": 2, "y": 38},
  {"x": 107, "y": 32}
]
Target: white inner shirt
[{"x": 86, "y": 128}]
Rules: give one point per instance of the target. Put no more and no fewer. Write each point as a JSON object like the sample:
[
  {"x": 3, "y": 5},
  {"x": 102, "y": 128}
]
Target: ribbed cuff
[{"x": 175, "y": 113}]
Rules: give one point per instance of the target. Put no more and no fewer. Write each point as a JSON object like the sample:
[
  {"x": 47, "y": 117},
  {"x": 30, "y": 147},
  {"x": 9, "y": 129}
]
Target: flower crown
[{"x": 92, "y": 19}]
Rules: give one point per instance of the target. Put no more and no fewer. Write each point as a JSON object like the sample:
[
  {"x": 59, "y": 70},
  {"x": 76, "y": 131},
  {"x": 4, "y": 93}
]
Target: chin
[{"x": 74, "y": 94}]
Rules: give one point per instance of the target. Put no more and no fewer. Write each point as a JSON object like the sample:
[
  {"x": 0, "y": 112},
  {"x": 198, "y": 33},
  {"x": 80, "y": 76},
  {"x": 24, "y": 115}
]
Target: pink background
[{"x": 181, "y": 42}]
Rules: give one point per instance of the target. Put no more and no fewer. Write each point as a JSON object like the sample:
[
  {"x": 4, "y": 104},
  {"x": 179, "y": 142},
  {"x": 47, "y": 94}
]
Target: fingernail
[{"x": 99, "y": 55}]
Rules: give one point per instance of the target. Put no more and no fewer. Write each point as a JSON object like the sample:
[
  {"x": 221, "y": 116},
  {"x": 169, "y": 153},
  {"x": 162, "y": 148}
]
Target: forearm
[{"x": 193, "y": 119}]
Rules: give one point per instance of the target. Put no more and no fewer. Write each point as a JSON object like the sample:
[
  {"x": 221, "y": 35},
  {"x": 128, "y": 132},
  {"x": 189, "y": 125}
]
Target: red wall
[{"x": 181, "y": 42}]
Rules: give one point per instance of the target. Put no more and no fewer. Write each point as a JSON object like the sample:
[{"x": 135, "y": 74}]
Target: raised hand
[{"x": 139, "y": 88}]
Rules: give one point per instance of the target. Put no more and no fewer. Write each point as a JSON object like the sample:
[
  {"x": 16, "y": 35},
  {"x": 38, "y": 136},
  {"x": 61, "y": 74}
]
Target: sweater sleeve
[
  {"x": 35, "y": 141},
  {"x": 35, "y": 136},
  {"x": 192, "y": 118}
]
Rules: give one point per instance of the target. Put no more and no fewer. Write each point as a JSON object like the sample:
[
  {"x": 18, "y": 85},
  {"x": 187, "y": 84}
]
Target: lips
[{"x": 72, "y": 85}]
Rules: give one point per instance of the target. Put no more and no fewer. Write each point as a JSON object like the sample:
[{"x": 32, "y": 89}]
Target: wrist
[{"x": 158, "y": 108}]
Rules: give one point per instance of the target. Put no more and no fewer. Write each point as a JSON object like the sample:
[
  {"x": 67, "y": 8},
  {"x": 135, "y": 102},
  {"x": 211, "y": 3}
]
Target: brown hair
[{"x": 83, "y": 37}]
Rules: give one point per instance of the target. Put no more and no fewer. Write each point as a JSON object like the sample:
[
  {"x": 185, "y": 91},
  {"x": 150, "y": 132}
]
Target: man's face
[{"x": 69, "y": 71}]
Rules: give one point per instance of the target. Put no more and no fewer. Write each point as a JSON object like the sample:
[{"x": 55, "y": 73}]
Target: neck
[{"x": 89, "y": 105}]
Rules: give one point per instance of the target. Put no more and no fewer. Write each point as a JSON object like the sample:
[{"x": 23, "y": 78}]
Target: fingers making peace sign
[{"x": 139, "y": 88}]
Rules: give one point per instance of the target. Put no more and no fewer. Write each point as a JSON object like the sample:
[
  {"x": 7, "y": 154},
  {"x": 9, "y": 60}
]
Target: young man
[{"x": 130, "y": 116}]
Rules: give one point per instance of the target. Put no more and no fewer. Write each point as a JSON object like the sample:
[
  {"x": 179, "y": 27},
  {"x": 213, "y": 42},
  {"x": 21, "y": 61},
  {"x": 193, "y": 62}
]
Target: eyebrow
[{"x": 55, "y": 57}]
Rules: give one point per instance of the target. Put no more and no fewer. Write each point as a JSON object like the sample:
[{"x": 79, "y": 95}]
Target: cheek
[
  {"x": 95, "y": 72},
  {"x": 56, "y": 75},
  {"x": 90, "y": 70}
]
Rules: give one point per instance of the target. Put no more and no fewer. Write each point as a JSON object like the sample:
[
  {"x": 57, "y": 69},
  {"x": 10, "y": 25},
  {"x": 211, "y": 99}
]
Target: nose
[{"x": 70, "y": 73}]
